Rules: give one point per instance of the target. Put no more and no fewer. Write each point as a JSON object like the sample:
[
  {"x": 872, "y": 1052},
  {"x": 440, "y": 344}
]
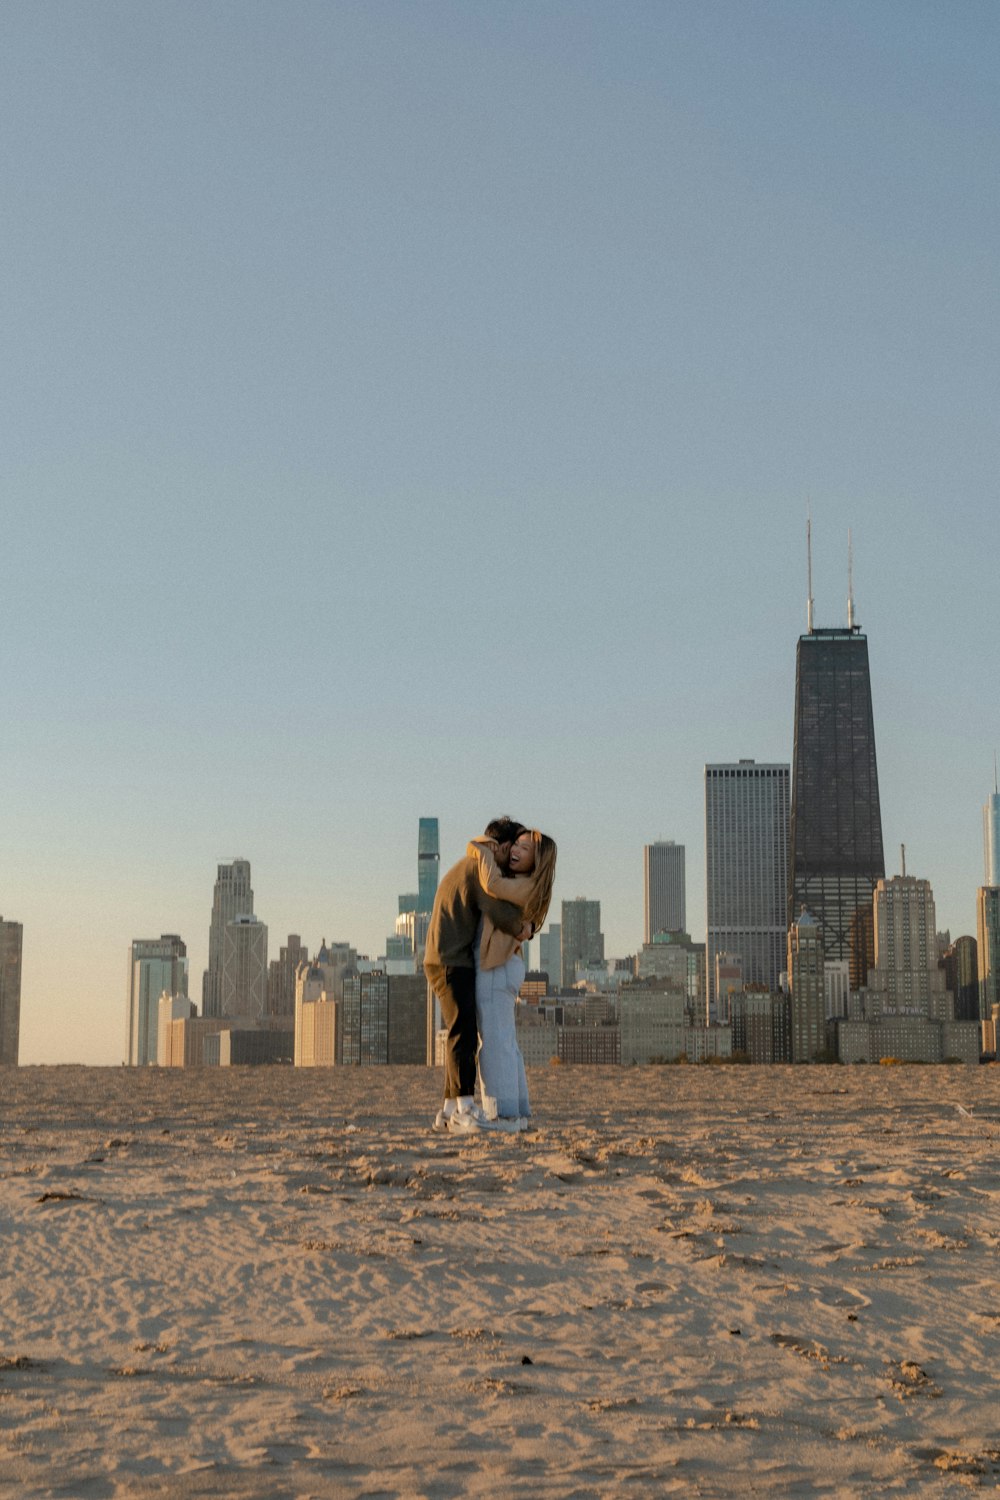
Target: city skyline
[
  {"x": 240, "y": 869},
  {"x": 556, "y": 319}
]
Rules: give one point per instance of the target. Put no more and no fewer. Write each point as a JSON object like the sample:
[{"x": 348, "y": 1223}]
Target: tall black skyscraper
[{"x": 835, "y": 840}]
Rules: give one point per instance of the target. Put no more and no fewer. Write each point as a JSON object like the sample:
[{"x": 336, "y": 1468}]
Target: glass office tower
[
  {"x": 991, "y": 839},
  {"x": 835, "y": 841},
  {"x": 428, "y": 863},
  {"x": 663, "y": 888},
  {"x": 746, "y": 870}
]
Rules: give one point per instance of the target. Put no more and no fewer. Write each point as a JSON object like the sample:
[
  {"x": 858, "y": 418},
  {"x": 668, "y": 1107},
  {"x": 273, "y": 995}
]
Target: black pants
[{"x": 456, "y": 990}]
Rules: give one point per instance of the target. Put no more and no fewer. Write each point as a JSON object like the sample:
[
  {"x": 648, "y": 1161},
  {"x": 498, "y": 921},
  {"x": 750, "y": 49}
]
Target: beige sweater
[{"x": 496, "y": 946}]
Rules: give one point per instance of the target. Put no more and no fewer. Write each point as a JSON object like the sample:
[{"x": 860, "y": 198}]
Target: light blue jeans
[{"x": 502, "y": 1080}]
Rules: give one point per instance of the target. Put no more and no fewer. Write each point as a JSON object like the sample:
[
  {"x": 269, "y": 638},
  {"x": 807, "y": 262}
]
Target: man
[{"x": 450, "y": 966}]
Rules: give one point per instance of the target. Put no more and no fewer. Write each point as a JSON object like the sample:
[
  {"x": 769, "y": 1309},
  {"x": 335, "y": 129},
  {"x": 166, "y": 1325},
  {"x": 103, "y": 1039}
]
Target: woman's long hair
[{"x": 537, "y": 905}]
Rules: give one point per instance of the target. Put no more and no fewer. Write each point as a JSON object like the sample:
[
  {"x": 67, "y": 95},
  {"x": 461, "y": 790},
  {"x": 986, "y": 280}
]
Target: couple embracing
[{"x": 486, "y": 906}]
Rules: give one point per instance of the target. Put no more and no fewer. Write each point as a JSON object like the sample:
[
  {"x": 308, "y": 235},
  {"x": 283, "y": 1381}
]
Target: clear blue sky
[{"x": 412, "y": 409}]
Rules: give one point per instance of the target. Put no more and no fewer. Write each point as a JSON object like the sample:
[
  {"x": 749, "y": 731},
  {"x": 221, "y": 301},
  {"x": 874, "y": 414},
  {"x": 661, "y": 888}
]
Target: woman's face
[{"x": 522, "y": 855}]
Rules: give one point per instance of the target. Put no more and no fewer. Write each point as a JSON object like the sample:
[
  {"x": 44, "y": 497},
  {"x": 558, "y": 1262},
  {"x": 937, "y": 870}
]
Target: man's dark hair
[{"x": 504, "y": 830}]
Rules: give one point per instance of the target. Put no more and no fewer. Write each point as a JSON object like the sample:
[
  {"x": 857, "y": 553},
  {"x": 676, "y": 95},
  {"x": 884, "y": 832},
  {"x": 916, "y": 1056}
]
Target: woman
[{"x": 500, "y": 970}]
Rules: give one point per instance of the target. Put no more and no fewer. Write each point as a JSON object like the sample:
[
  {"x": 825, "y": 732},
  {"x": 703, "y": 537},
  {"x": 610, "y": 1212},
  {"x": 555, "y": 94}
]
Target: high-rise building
[
  {"x": 319, "y": 994},
  {"x": 905, "y": 1010},
  {"x": 746, "y": 863},
  {"x": 581, "y": 938},
  {"x": 961, "y": 971},
  {"x": 232, "y": 897},
  {"x": 428, "y": 863},
  {"x": 281, "y": 976},
  {"x": 550, "y": 954},
  {"x": 651, "y": 1021},
  {"x": 808, "y": 1000},
  {"x": 244, "y": 968},
  {"x": 837, "y": 987},
  {"x": 157, "y": 966},
  {"x": 761, "y": 1026},
  {"x": 413, "y": 926},
  {"x": 664, "y": 960},
  {"x": 988, "y": 948},
  {"x": 663, "y": 887},
  {"x": 384, "y": 1019},
  {"x": 906, "y": 979},
  {"x": 728, "y": 982},
  {"x": 172, "y": 1008},
  {"x": 991, "y": 839},
  {"x": 11, "y": 939},
  {"x": 672, "y": 955},
  {"x": 835, "y": 847}
]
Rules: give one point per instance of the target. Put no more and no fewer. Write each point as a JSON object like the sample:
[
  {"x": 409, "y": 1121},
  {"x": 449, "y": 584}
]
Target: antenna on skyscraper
[
  {"x": 809, "y": 568},
  {"x": 902, "y": 858},
  {"x": 995, "y": 787},
  {"x": 850, "y": 580}
]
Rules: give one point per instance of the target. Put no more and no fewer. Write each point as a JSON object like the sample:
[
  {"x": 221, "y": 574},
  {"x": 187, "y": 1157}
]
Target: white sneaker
[
  {"x": 444, "y": 1115},
  {"x": 508, "y": 1123},
  {"x": 470, "y": 1117}
]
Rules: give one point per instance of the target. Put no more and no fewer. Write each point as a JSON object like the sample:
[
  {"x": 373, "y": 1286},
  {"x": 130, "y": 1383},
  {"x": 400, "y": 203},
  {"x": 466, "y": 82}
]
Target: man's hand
[{"x": 527, "y": 931}]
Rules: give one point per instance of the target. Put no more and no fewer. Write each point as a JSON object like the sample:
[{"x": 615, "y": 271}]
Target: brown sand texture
[{"x": 695, "y": 1281}]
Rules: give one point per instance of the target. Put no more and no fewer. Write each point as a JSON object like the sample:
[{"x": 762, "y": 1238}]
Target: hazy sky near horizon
[{"x": 412, "y": 409}]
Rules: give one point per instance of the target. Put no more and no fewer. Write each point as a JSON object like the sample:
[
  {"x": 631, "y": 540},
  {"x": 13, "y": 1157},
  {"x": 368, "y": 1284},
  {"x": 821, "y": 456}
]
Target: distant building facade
[
  {"x": 837, "y": 987},
  {"x": 664, "y": 891},
  {"x": 651, "y": 1017},
  {"x": 991, "y": 840},
  {"x": 281, "y": 973},
  {"x": 244, "y": 969},
  {"x": 808, "y": 998},
  {"x": 249, "y": 1046},
  {"x": 668, "y": 956},
  {"x": 415, "y": 907},
  {"x": 746, "y": 855},
  {"x": 960, "y": 962},
  {"x": 911, "y": 1039},
  {"x": 188, "y": 1035},
  {"x": 231, "y": 898},
  {"x": 550, "y": 954},
  {"x": 157, "y": 966},
  {"x": 384, "y": 1019},
  {"x": 581, "y": 938},
  {"x": 172, "y": 1008},
  {"x": 11, "y": 944},
  {"x": 428, "y": 863},
  {"x": 537, "y": 1036},
  {"x": 907, "y": 979},
  {"x": 761, "y": 1026},
  {"x": 906, "y": 1010},
  {"x": 728, "y": 982},
  {"x": 836, "y": 856},
  {"x": 594, "y": 1045},
  {"x": 988, "y": 948},
  {"x": 663, "y": 960},
  {"x": 319, "y": 994}
]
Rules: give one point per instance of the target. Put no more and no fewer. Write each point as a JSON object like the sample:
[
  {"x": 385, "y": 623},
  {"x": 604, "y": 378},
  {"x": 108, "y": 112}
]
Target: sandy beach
[{"x": 701, "y": 1281}]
